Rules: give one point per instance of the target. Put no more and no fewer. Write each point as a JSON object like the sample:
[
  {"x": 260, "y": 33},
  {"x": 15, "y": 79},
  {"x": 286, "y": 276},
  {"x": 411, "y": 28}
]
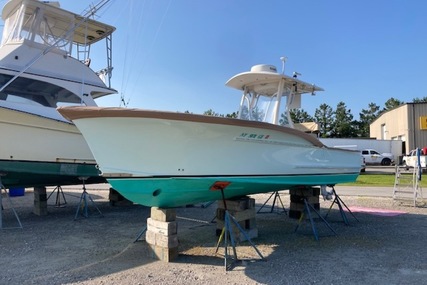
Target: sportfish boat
[
  {"x": 167, "y": 159},
  {"x": 44, "y": 63}
]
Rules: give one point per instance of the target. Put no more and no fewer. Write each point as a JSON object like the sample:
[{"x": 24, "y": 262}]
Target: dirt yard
[{"x": 386, "y": 246}]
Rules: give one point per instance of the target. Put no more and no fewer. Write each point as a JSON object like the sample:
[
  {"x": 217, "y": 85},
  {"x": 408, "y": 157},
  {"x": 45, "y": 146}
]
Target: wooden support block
[{"x": 163, "y": 215}]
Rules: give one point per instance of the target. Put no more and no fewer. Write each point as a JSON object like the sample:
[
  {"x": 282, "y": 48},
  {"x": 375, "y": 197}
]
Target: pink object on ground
[{"x": 377, "y": 212}]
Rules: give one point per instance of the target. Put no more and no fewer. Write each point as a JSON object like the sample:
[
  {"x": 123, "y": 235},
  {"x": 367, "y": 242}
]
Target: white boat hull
[
  {"x": 140, "y": 145},
  {"x": 36, "y": 149}
]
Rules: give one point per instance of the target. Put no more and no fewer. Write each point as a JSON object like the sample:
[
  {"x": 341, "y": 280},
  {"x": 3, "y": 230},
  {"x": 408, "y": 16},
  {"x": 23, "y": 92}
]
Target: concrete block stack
[
  {"x": 243, "y": 210},
  {"x": 116, "y": 199},
  {"x": 161, "y": 235},
  {"x": 40, "y": 201},
  {"x": 298, "y": 194}
]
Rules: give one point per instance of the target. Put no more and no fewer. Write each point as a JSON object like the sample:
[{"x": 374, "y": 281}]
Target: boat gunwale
[{"x": 77, "y": 112}]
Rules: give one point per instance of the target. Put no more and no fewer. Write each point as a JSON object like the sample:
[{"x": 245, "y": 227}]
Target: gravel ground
[{"x": 55, "y": 249}]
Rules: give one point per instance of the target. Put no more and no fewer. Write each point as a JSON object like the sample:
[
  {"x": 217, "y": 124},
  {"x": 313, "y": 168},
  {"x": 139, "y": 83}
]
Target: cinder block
[
  {"x": 316, "y": 206},
  {"x": 296, "y": 206},
  {"x": 237, "y": 204},
  {"x": 40, "y": 211},
  {"x": 313, "y": 200},
  {"x": 40, "y": 204},
  {"x": 293, "y": 214},
  {"x": 117, "y": 199},
  {"x": 297, "y": 199},
  {"x": 164, "y": 228},
  {"x": 161, "y": 240},
  {"x": 250, "y": 224},
  {"x": 252, "y": 233},
  {"x": 305, "y": 191},
  {"x": 113, "y": 195},
  {"x": 40, "y": 197},
  {"x": 121, "y": 203},
  {"x": 40, "y": 201},
  {"x": 39, "y": 190},
  {"x": 163, "y": 215},
  {"x": 238, "y": 235},
  {"x": 163, "y": 253},
  {"x": 238, "y": 215}
]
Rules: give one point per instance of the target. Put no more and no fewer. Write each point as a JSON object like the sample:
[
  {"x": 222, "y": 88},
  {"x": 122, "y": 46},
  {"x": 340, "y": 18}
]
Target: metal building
[{"x": 407, "y": 122}]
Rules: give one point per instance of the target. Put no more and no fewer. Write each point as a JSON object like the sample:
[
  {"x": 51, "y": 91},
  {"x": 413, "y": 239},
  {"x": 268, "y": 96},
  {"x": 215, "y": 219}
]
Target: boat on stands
[
  {"x": 44, "y": 64},
  {"x": 168, "y": 159}
]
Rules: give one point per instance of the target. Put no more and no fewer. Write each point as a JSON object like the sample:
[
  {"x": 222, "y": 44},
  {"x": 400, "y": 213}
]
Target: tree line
[{"x": 338, "y": 122}]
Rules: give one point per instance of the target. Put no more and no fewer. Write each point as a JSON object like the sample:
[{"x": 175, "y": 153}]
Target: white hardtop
[
  {"x": 59, "y": 21},
  {"x": 263, "y": 82}
]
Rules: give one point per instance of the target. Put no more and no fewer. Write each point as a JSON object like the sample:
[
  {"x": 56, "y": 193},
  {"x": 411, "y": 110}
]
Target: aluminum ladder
[{"x": 407, "y": 186}]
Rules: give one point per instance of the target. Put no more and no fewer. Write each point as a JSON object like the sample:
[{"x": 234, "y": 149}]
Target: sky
[{"x": 176, "y": 55}]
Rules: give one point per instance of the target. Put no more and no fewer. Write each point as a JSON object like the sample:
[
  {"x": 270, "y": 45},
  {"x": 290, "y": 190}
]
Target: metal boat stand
[
  {"x": 2, "y": 188},
  {"x": 84, "y": 201},
  {"x": 276, "y": 199},
  {"x": 227, "y": 231},
  {"x": 307, "y": 209},
  {"x": 337, "y": 200},
  {"x": 59, "y": 193},
  {"x": 144, "y": 229}
]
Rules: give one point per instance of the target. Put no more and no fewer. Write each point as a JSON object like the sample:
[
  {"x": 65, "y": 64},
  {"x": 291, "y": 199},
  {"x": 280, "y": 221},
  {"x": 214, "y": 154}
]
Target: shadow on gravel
[{"x": 378, "y": 249}]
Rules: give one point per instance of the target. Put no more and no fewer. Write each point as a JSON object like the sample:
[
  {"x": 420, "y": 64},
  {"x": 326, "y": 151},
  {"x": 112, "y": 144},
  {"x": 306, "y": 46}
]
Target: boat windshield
[
  {"x": 260, "y": 108},
  {"x": 264, "y": 107},
  {"x": 37, "y": 92}
]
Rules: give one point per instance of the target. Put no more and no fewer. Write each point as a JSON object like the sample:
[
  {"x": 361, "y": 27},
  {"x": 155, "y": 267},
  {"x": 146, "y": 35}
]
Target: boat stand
[
  {"x": 59, "y": 193},
  {"x": 307, "y": 209},
  {"x": 337, "y": 200},
  {"x": 84, "y": 201},
  {"x": 2, "y": 188},
  {"x": 144, "y": 229},
  {"x": 276, "y": 198},
  {"x": 227, "y": 231}
]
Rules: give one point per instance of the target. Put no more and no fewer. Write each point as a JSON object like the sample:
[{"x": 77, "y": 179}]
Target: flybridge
[
  {"x": 263, "y": 89},
  {"x": 45, "y": 26},
  {"x": 43, "y": 22}
]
